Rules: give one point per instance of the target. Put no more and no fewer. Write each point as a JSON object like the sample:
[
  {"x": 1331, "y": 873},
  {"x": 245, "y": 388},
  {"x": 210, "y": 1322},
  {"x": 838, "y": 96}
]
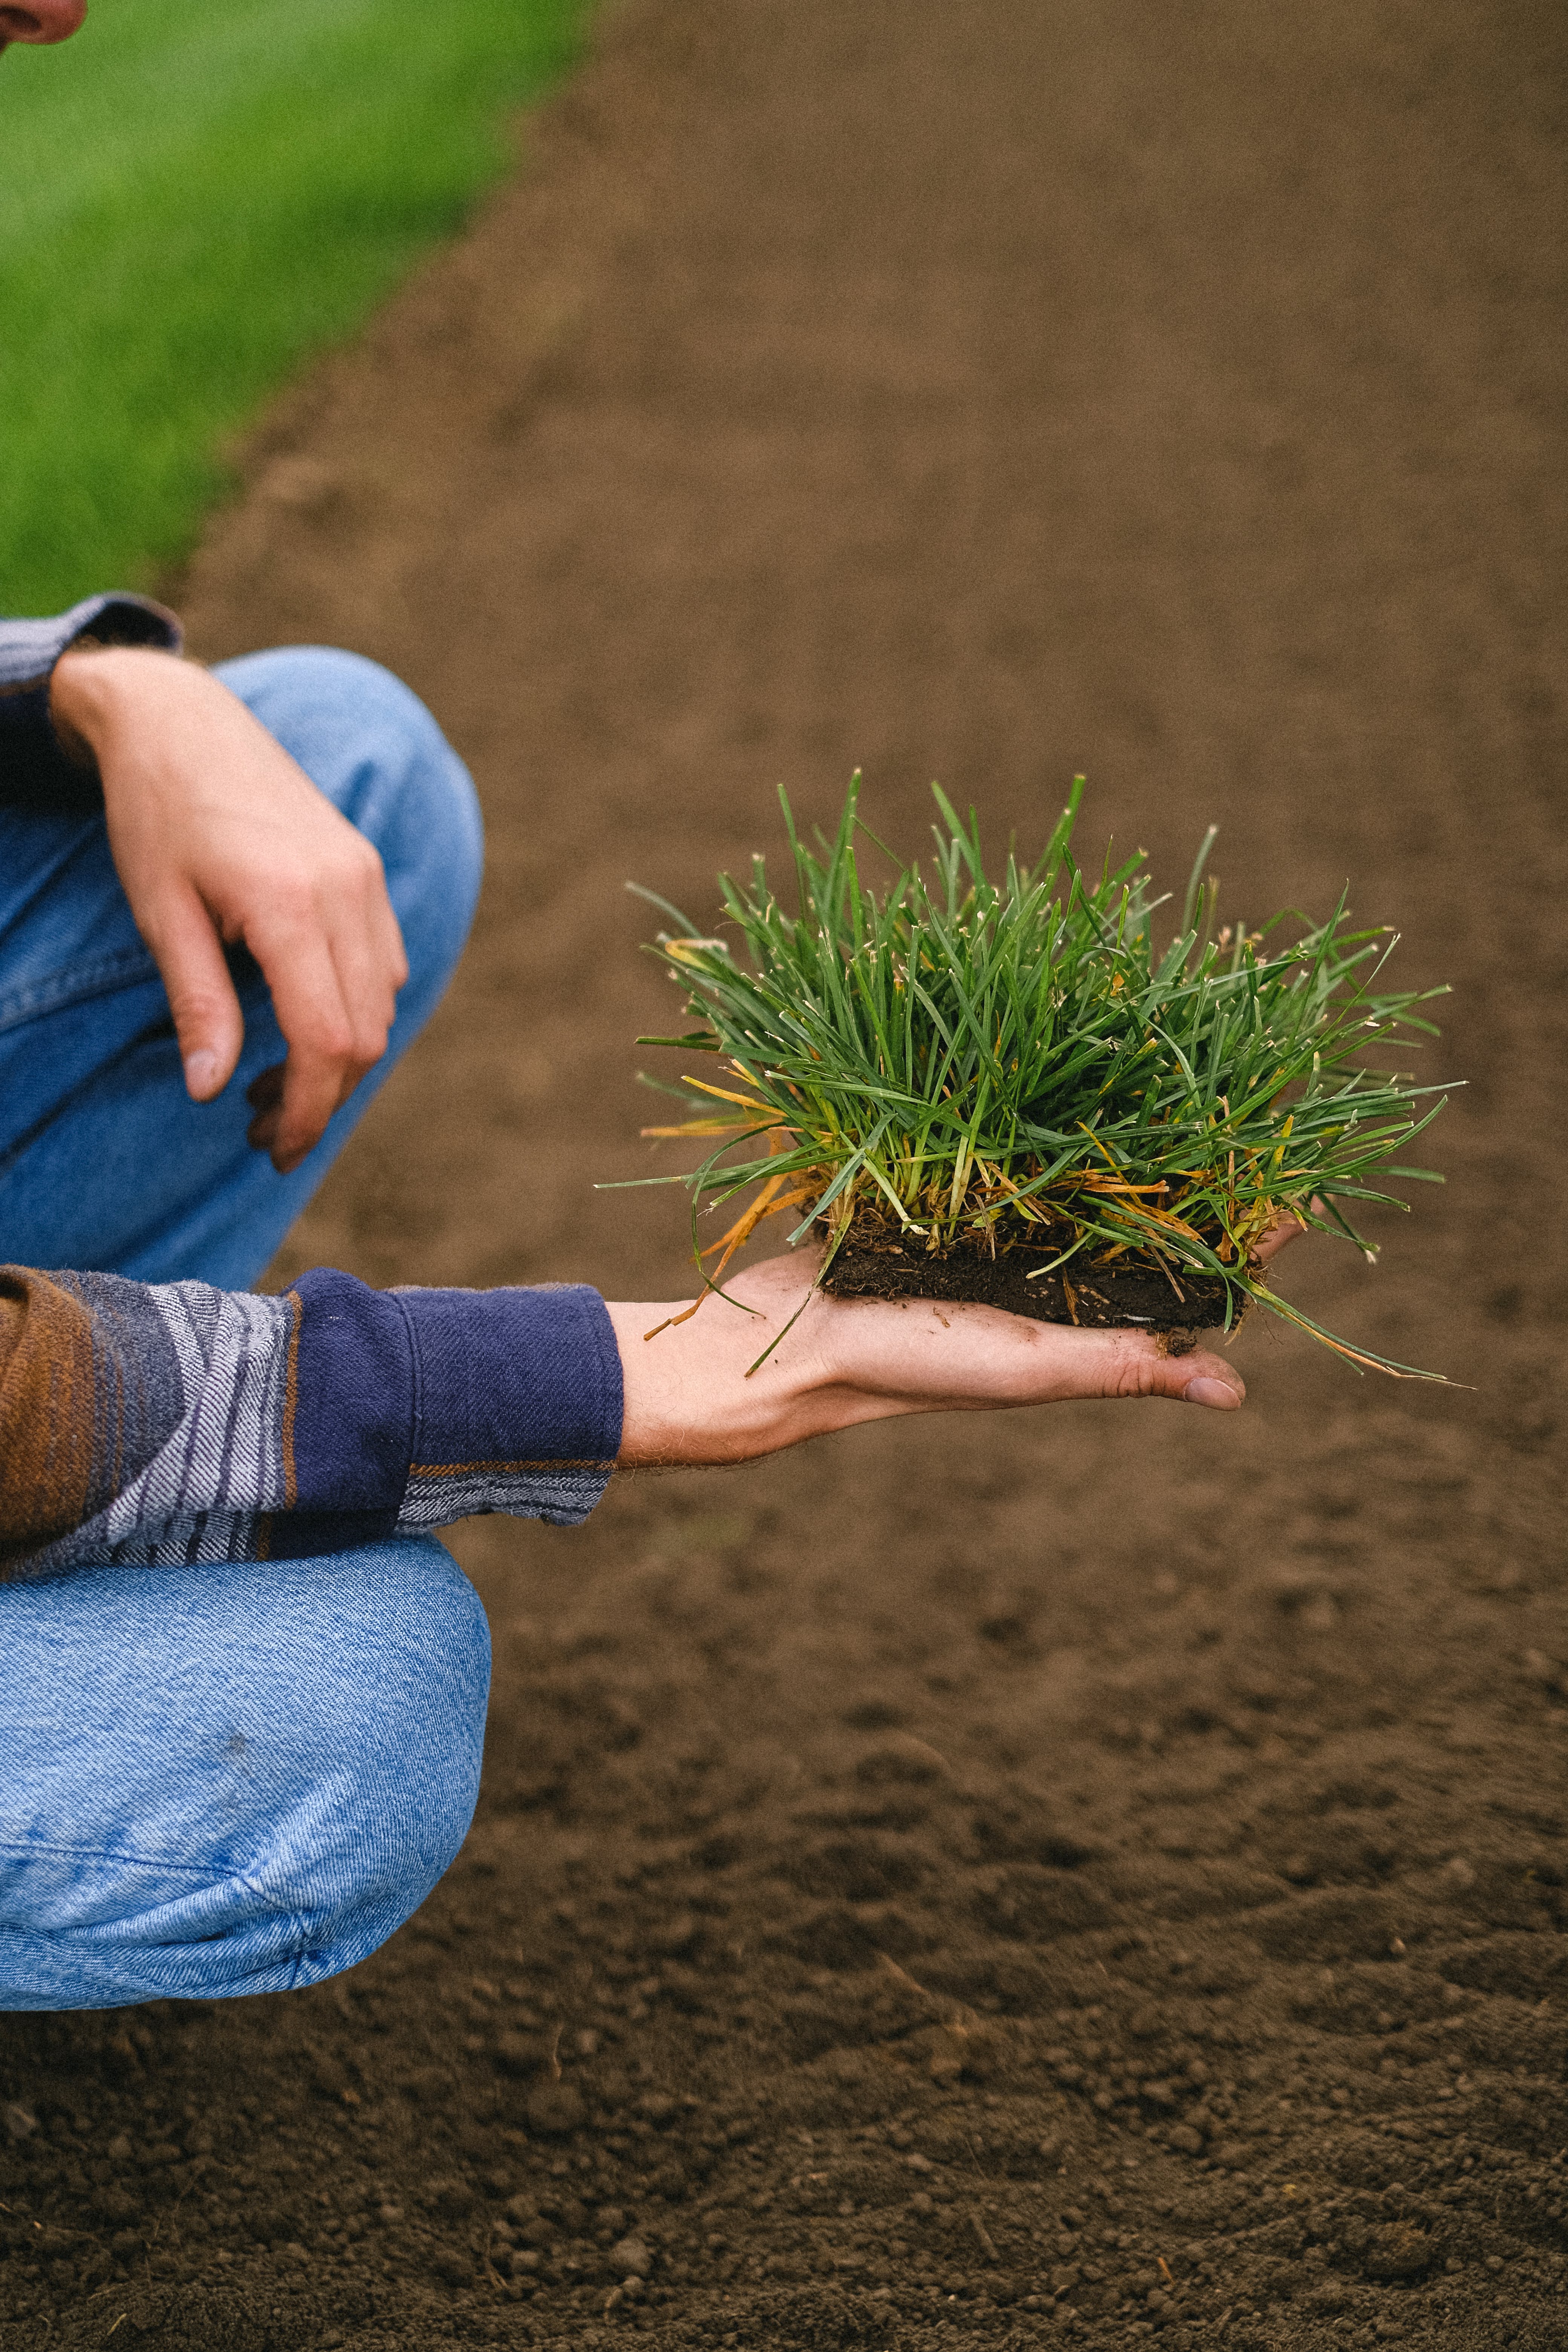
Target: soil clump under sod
[{"x": 873, "y": 1262}]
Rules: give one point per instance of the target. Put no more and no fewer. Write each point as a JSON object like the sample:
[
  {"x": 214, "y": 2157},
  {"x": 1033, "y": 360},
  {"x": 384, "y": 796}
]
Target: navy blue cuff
[
  {"x": 517, "y": 1404},
  {"x": 33, "y": 771},
  {"x": 349, "y": 1409},
  {"x": 414, "y": 1408}
]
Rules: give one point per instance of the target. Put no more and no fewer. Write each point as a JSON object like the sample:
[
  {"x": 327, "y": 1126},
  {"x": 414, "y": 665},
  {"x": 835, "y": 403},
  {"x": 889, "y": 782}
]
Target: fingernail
[
  {"x": 201, "y": 1070},
  {"x": 1213, "y": 1392}
]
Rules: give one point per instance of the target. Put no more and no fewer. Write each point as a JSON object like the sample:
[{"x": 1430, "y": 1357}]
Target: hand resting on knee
[{"x": 219, "y": 838}]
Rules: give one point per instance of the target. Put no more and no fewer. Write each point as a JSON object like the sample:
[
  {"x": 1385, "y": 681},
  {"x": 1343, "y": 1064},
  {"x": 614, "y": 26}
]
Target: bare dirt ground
[{"x": 1074, "y": 1876}]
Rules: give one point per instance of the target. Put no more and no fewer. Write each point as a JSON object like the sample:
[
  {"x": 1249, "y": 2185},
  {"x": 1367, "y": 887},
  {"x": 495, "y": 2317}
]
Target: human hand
[
  {"x": 688, "y": 1398},
  {"x": 219, "y": 838}
]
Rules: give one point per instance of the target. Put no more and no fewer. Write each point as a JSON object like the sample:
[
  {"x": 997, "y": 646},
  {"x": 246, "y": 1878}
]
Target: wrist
[
  {"x": 93, "y": 688},
  {"x": 690, "y": 1394}
]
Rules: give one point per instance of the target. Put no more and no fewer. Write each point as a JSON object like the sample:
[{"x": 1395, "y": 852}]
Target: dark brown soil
[
  {"x": 1077, "y": 1874},
  {"x": 1021, "y": 1280}
]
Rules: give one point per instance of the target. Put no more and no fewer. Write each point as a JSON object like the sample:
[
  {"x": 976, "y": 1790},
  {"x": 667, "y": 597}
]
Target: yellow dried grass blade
[{"x": 747, "y": 1102}]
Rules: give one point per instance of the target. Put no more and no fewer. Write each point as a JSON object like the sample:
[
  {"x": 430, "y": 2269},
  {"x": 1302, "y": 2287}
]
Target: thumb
[{"x": 207, "y": 1019}]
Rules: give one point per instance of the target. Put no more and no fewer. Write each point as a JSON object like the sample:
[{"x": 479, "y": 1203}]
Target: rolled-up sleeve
[{"x": 35, "y": 771}]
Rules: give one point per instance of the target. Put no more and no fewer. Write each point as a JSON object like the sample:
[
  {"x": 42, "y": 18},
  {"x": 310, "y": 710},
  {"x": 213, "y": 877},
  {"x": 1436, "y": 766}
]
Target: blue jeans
[{"x": 217, "y": 1781}]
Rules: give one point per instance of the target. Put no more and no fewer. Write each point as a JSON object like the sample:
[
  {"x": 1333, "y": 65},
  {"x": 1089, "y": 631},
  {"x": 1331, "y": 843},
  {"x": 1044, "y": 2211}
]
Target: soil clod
[{"x": 1025, "y": 1281}]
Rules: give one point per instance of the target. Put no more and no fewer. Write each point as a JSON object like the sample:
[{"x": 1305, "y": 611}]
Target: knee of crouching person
[
  {"x": 279, "y": 1761},
  {"x": 398, "y": 1754},
  {"x": 409, "y": 792}
]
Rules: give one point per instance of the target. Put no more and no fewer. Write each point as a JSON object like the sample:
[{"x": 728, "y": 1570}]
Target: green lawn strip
[{"x": 193, "y": 201}]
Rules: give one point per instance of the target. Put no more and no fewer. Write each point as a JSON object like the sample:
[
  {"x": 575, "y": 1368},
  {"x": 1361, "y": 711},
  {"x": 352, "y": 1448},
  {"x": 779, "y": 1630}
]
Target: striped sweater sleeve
[{"x": 173, "y": 1424}]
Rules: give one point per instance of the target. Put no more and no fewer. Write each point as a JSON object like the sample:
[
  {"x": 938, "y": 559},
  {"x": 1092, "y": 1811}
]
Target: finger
[
  {"x": 1207, "y": 1380},
  {"x": 1134, "y": 1363},
  {"x": 322, "y": 1068},
  {"x": 384, "y": 933},
  {"x": 207, "y": 1015},
  {"x": 389, "y": 930},
  {"x": 1285, "y": 1230},
  {"x": 313, "y": 1087},
  {"x": 264, "y": 1095},
  {"x": 371, "y": 967},
  {"x": 334, "y": 966},
  {"x": 941, "y": 1356}
]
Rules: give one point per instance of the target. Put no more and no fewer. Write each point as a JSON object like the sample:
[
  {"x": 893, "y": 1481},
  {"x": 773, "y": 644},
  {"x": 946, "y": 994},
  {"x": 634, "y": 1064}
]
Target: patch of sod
[
  {"x": 956, "y": 1067},
  {"x": 194, "y": 199}
]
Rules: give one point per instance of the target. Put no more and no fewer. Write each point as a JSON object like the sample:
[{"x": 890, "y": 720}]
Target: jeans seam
[
  {"x": 77, "y": 985},
  {"x": 238, "y": 1876},
  {"x": 99, "y": 1854}
]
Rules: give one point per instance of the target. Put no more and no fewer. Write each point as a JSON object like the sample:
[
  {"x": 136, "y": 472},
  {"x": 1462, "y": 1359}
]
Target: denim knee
[
  {"x": 392, "y": 1750},
  {"x": 369, "y": 743},
  {"x": 231, "y": 1780}
]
